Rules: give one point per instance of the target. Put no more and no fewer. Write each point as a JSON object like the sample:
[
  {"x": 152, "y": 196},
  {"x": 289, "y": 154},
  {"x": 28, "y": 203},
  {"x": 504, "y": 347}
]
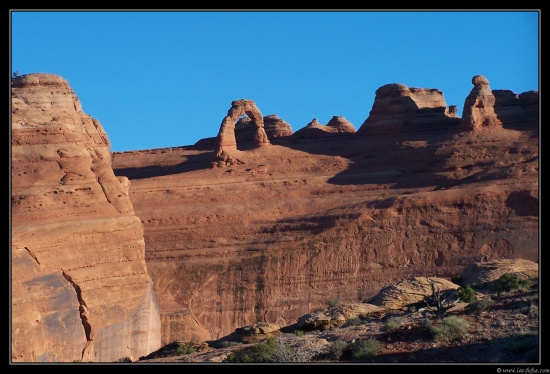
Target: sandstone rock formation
[
  {"x": 398, "y": 109},
  {"x": 245, "y": 128},
  {"x": 226, "y": 140},
  {"x": 411, "y": 291},
  {"x": 275, "y": 127},
  {"x": 484, "y": 273},
  {"x": 517, "y": 112},
  {"x": 479, "y": 111},
  {"x": 314, "y": 129},
  {"x": 337, "y": 217},
  {"x": 340, "y": 216},
  {"x": 338, "y": 315},
  {"x": 80, "y": 288},
  {"x": 341, "y": 124}
]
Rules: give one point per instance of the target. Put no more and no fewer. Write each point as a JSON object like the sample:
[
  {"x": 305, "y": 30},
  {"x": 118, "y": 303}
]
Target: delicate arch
[{"x": 226, "y": 140}]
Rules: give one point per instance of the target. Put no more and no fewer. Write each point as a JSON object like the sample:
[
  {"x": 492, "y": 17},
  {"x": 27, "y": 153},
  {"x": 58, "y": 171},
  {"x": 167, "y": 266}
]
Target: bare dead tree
[{"x": 438, "y": 303}]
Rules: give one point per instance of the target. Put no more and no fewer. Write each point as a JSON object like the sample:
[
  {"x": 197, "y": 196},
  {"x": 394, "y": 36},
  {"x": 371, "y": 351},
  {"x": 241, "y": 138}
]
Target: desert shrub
[
  {"x": 270, "y": 350},
  {"x": 509, "y": 282},
  {"x": 124, "y": 359},
  {"x": 450, "y": 328},
  {"x": 425, "y": 324},
  {"x": 457, "y": 279},
  {"x": 392, "y": 324},
  {"x": 484, "y": 304},
  {"x": 467, "y": 294},
  {"x": 353, "y": 322},
  {"x": 333, "y": 302},
  {"x": 184, "y": 350},
  {"x": 260, "y": 352},
  {"x": 229, "y": 343},
  {"x": 337, "y": 348},
  {"x": 299, "y": 332},
  {"x": 284, "y": 353},
  {"x": 365, "y": 349}
]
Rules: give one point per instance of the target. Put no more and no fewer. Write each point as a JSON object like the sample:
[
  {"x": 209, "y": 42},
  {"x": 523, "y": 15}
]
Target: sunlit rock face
[
  {"x": 226, "y": 140},
  {"x": 80, "y": 288},
  {"x": 326, "y": 216},
  {"x": 479, "y": 107},
  {"x": 315, "y": 217},
  {"x": 398, "y": 109}
]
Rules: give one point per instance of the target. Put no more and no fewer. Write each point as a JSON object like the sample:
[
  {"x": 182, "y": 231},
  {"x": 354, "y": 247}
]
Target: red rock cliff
[
  {"x": 311, "y": 219},
  {"x": 269, "y": 238},
  {"x": 79, "y": 287}
]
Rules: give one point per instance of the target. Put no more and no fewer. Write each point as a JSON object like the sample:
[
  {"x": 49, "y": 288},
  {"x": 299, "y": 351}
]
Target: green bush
[
  {"x": 450, "y": 328},
  {"x": 184, "y": 350},
  {"x": 229, "y": 343},
  {"x": 365, "y": 349},
  {"x": 260, "y": 352},
  {"x": 270, "y": 350},
  {"x": 299, "y": 332},
  {"x": 508, "y": 282},
  {"x": 392, "y": 324},
  {"x": 336, "y": 349},
  {"x": 467, "y": 294},
  {"x": 333, "y": 302}
]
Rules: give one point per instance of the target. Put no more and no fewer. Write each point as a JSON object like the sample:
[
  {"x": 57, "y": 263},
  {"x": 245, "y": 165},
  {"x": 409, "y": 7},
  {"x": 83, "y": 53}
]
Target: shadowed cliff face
[
  {"x": 309, "y": 219},
  {"x": 80, "y": 288}
]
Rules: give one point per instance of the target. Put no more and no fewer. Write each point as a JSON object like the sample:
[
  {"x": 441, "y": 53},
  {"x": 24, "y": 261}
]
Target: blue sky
[{"x": 165, "y": 79}]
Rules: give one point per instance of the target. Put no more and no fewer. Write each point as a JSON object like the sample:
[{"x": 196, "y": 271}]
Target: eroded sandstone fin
[
  {"x": 226, "y": 141},
  {"x": 479, "y": 106}
]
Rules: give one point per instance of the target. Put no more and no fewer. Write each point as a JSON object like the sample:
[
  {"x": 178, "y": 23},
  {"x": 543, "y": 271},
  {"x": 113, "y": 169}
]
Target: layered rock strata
[
  {"x": 339, "y": 217},
  {"x": 517, "y": 112},
  {"x": 80, "y": 290},
  {"x": 294, "y": 226},
  {"x": 398, "y": 109}
]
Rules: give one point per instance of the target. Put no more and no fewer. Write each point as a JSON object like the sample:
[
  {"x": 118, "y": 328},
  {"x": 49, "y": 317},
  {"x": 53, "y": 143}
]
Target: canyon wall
[
  {"x": 80, "y": 290},
  {"x": 116, "y": 254},
  {"x": 322, "y": 215}
]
